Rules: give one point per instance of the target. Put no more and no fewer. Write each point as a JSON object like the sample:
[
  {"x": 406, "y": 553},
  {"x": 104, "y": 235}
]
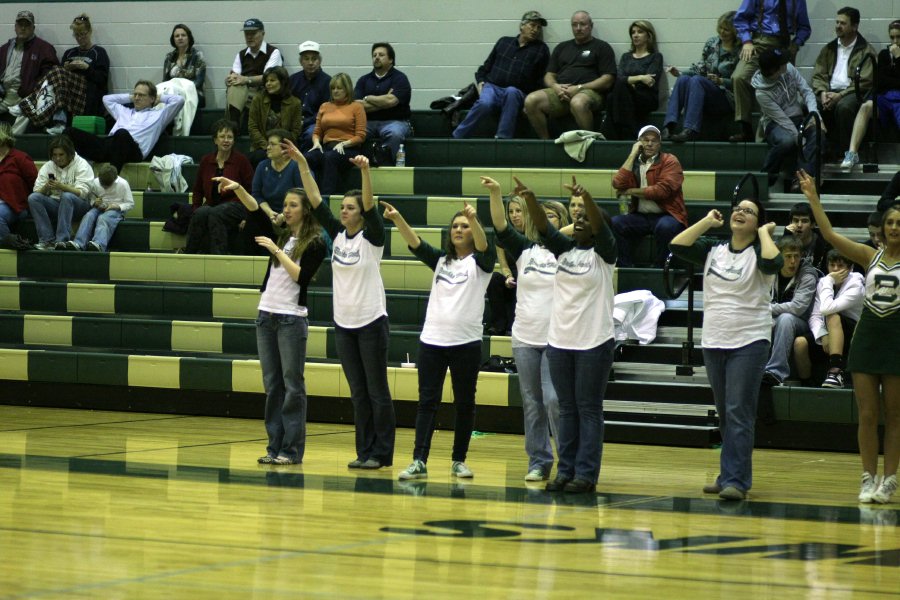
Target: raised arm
[
  {"x": 537, "y": 214},
  {"x": 498, "y": 213},
  {"x": 858, "y": 253},
  {"x": 306, "y": 176},
  {"x": 712, "y": 220},
  {"x": 479, "y": 237},
  {"x": 408, "y": 233},
  {"x": 246, "y": 198},
  {"x": 368, "y": 199}
]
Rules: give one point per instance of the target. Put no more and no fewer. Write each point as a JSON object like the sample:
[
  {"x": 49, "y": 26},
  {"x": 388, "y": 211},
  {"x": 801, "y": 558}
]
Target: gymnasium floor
[{"x": 127, "y": 505}]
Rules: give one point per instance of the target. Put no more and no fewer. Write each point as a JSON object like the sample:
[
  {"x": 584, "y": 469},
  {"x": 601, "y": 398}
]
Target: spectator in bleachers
[
  {"x": 341, "y": 127},
  {"x": 792, "y": 303},
  {"x": 782, "y": 94},
  {"x": 513, "y": 69},
  {"x": 137, "y": 127},
  {"x": 275, "y": 175},
  {"x": 361, "y": 327},
  {"x": 890, "y": 194},
  {"x": 17, "y": 176},
  {"x": 61, "y": 193},
  {"x": 651, "y": 180},
  {"x": 763, "y": 25},
  {"x": 874, "y": 358},
  {"x": 384, "y": 94},
  {"x": 887, "y": 96},
  {"x": 501, "y": 292},
  {"x": 218, "y": 212},
  {"x": 274, "y": 108},
  {"x": 311, "y": 86},
  {"x": 246, "y": 76},
  {"x": 112, "y": 198},
  {"x": 534, "y": 292},
  {"x": 836, "y": 309},
  {"x": 451, "y": 335},
  {"x": 873, "y": 224},
  {"x": 636, "y": 91},
  {"x": 24, "y": 60},
  {"x": 580, "y": 72},
  {"x": 282, "y": 328},
  {"x": 575, "y": 207},
  {"x": 185, "y": 61},
  {"x": 580, "y": 338},
  {"x": 75, "y": 88},
  {"x": 737, "y": 328},
  {"x": 803, "y": 227},
  {"x": 832, "y": 80},
  {"x": 705, "y": 87}
]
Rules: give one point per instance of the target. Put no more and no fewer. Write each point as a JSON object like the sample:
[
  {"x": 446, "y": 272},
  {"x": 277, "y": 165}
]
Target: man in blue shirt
[
  {"x": 762, "y": 25},
  {"x": 513, "y": 69},
  {"x": 385, "y": 94},
  {"x": 311, "y": 86}
]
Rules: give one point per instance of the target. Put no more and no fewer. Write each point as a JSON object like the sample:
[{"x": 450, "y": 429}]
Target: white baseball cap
[{"x": 309, "y": 46}]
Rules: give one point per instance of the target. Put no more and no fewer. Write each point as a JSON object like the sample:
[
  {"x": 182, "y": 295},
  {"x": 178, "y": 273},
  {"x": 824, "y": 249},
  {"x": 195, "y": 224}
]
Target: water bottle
[
  {"x": 401, "y": 157},
  {"x": 624, "y": 201}
]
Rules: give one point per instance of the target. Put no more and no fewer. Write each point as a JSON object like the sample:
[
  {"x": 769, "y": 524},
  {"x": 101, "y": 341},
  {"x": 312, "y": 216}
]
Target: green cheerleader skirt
[{"x": 875, "y": 347}]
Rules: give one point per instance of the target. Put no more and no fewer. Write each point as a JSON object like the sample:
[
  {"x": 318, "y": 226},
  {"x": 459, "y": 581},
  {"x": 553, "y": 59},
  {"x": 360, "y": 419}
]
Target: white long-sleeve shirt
[
  {"x": 117, "y": 193},
  {"x": 847, "y": 300},
  {"x": 78, "y": 173},
  {"x": 145, "y": 126}
]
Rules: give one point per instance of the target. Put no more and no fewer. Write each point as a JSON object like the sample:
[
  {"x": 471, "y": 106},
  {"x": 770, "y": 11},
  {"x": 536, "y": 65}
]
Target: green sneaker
[
  {"x": 416, "y": 470},
  {"x": 461, "y": 470}
]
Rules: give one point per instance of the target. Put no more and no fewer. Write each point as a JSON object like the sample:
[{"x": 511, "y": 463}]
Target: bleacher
[{"x": 144, "y": 328}]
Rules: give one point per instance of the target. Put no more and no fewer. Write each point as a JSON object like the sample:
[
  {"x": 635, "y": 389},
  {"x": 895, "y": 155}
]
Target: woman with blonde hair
[
  {"x": 636, "y": 91},
  {"x": 501, "y": 292}
]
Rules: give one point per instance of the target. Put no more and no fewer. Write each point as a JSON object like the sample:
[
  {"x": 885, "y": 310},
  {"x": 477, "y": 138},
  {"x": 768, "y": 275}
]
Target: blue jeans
[
  {"x": 579, "y": 378},
  {"x": 735, "y": 376},
  {"x": 508, "y": 100},
  {"x": 695, "y": 94},
  {"x": 8, "y": 218},
  {"x": 45, "y": 209},
  {"x": 540, "y": 405},
  {"x": 463, "y": 362},
  {"x": 784, "y": 142},
  {"x": 391, "y": 133},
  {"x": 787, "y": 327},
  {"x": 281, "y": 344},
  {"x": 363, "y": 353},
  {"x": 98, "y": 226},
  {"x": 630, "y": 228},
  {"x": 327, "y": 165}
]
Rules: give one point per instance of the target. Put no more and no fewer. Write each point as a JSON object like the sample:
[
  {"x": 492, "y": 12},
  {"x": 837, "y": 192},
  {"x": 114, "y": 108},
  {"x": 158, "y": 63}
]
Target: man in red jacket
[
  {"x": 651, "y": 181},
  {"x": 24, "y": 59},
  {"x": 17, "y": 175}
]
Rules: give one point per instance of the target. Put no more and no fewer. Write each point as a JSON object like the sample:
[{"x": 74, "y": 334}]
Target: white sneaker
[
  {"x": 461, "y": 470},
  {"x": 885, "y": 490},
  {"x": 416, "y": 470},
  {"x": 867, "y": 487},
  {"x": 536, "y": 475},
  {"x": 851, "y": 159}
]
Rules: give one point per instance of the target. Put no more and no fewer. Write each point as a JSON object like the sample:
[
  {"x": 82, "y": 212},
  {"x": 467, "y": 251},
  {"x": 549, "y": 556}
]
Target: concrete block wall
[{"x": 439, "y": 44}]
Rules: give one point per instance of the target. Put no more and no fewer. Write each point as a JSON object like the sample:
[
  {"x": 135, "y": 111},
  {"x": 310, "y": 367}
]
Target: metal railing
[
  {"x": 675, "y": 284},
  {"x": 735, "y": 196},
  {"x": 801, "y": 143}
]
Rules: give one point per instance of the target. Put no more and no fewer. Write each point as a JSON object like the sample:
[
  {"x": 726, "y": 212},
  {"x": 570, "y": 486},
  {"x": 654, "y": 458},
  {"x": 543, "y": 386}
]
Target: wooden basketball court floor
[{"x": 125, "y": 505}]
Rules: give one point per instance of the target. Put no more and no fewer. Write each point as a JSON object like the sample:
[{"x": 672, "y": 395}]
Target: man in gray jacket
[{"x": 779, "y": 90}]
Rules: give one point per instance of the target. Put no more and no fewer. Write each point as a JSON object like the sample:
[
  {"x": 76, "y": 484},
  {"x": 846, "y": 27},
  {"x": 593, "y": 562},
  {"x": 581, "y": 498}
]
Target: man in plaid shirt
[{"x": 514, "y": 68}]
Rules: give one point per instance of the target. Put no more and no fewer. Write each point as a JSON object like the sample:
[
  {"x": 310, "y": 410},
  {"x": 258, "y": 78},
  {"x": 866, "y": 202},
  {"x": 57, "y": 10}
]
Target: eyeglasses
[{"x": 746, "y": 211}]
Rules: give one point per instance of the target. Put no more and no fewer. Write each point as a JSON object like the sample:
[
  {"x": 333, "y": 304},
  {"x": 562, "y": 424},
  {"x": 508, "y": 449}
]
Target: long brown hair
[{"x": 310, "y": 229}]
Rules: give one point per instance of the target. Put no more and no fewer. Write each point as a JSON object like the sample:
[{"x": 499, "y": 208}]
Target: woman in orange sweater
[{"x": 339, "y": 135}]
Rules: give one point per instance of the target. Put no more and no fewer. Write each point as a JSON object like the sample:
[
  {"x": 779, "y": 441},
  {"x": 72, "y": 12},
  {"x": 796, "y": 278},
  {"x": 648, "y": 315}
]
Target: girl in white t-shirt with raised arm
[
  {"x": 580, "y": 337},
  {"x": 738, "y": 273},
  {"x": 451, "y": 335},
  {"x": 536, "y": 267},
  {"x": 361, "y": 328}
]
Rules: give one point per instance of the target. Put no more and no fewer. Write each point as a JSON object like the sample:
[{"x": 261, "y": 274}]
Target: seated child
[
  {"x": 837, "y": 307},
  {"x": 112, "y": 198}
]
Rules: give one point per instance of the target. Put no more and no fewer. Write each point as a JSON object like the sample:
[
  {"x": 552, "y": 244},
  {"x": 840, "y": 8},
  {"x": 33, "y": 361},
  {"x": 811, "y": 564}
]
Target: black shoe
[
  {"x": 769, "y": 379},
  {"x": 687, "y": 135},
  {"x": 739, "y": 137},
  {"x": 558, "y": 484},
  {"x": 579, "y": 486}
]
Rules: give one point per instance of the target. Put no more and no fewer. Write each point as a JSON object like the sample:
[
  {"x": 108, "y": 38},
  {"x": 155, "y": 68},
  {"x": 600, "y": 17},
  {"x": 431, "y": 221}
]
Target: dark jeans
[
  {"x": 281, "y": 344},
  {"x": 209, "y": 227},
  {"x": 363, "y": 353},
  {"x": 627, "y": 109},
  {"x": 783, "y": 143},
  {"x": 463, "y": 362},
  {"x": 579, "y": 378},
  {"x": 630, "y": 228},
  {"x": 327, "y": 165},
  {"x": 117, "y": 149},
  {"x": 502, "y": 301}
]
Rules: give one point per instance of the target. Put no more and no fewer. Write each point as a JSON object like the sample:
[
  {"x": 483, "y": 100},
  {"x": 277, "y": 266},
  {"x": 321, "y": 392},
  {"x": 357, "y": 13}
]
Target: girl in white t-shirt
[
  {"x": 536, "y": 267},
  {"x": 451, "y": 335},
  {"x": 361, "y": 328},
  {"x": 738, "y": 274},
  {"x": 580, "y": 337},
  {"x": 281, "y": 326}
]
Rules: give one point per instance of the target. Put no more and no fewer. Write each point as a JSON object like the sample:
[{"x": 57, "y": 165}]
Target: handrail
[
  {"x": 752, "y": 177},
  {"x": 687, "y": 347},
  {"x": 801, "y": 143},
  {"x": 673, "y": 290}
]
